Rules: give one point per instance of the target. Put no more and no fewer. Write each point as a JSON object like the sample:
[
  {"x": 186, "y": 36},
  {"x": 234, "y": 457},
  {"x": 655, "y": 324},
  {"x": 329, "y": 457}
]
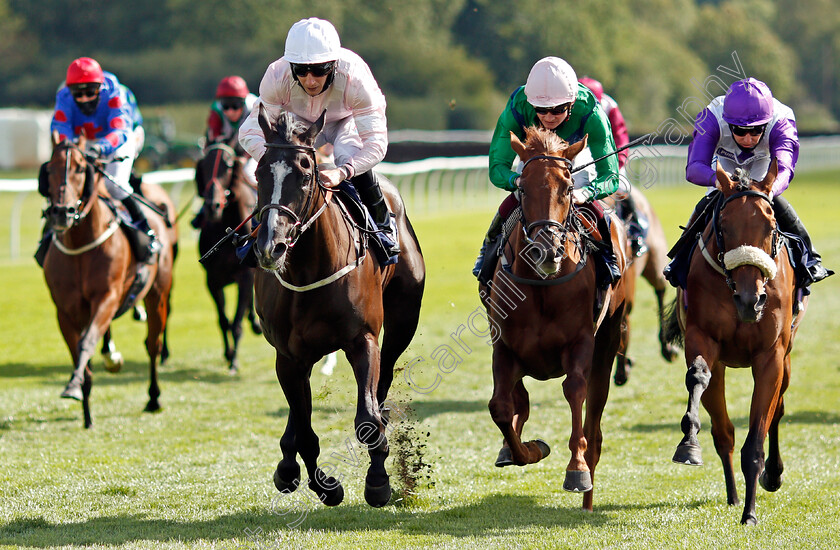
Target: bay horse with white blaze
[
  {"x": 228, "y": 201},
  {"x": 649, "y": 266},
  {"x": 738, "y": 311},
  {"x": 320, "y": 290},
  {"x": 89, "y": 267},
  {"x": 555, "y": 330}
]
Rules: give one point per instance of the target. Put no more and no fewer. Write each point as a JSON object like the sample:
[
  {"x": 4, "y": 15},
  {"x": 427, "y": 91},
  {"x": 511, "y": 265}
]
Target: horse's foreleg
[
  {"x": 218, "y": 294},
  {"x": 700, "y": 354},
  {"x": 86, "y": 386},
  {"x": 768, "y": 373},
  {"x": 245, "y": 298},
  {"x": 771, "y": 478},
  {"x": 668, "y": 350},
  {"x": 103, "y": 314},
  {"x": 578, "y": 366},
  {"x": 294, "y": 379},
  {"x": 370, "y": 429},
  {"x": 287, "y": 474},
  {"x": 503, "y": 409},
  {"x": 623, "y": 363},
  {"x": 723, "y": 432}
]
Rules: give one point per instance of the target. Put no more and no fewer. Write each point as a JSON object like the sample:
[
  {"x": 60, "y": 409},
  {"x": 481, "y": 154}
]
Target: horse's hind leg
[
  {"x": 401, "y": 303},
  {"x": 112, "y": 359},
  {"x": 668, "y": 350},
  {"x": 157, "y": 306},
  {"x": 623, "y": 363},
  {"x": 243, "y": 304},
  {"x": 86, "y": 386},
  {"x": 294, "y": 379},
  {"x": 771, "y": 478},
  {"x": 218, "y": 294},
  {"x": 723, "y": 432}
]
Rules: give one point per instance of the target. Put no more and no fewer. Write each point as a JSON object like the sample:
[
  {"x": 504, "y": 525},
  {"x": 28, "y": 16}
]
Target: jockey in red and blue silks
[
  {"x": 746, "y": 129},
  {"x": 94, "y": 104}
]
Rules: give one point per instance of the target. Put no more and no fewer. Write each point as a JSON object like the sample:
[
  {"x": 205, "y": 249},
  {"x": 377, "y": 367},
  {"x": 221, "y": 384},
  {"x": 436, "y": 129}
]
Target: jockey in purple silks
[{"x": 745, "y": 130}]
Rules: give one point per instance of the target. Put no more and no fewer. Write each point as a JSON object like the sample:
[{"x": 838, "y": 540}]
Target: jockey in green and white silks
[{"x": 553, "y": 98}]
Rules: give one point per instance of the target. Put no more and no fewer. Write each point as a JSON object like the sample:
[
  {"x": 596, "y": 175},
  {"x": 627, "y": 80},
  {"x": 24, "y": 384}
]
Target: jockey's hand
[
  {"x": 579, "y": 196},
  {"x": 331, "y": 177},
  {"x": 93, "y": 149}
]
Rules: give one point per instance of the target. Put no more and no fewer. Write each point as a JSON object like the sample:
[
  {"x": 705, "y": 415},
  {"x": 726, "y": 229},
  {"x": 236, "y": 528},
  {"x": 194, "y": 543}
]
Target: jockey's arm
[
  {"x": 501, "y": 156},
  {"x": 784, "y": 147},
  {"x": 698, "y": 169},
  {"x": 601, "y": 143}
]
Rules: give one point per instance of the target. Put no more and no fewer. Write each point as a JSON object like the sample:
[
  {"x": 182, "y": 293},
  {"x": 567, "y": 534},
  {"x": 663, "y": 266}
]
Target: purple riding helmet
[{"x": 748, "y": 102}]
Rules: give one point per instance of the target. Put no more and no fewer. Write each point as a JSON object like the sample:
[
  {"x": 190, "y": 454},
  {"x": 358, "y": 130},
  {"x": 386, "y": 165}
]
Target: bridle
[
  {"x": 83, "y": 204},
  {"x": 299, "y": 226},
  {"x": 226, "y": 158},
  {"x": 725, "y": 264}
]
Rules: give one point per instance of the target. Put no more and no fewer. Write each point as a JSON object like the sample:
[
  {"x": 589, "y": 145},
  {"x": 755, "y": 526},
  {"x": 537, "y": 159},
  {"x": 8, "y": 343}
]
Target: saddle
[{"x": 353, "y": 206}]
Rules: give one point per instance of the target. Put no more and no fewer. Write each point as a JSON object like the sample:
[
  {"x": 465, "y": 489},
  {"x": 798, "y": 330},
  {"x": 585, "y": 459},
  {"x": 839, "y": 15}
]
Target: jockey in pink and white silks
[
  {"x": 745, "y": 130},
  {"x": 317, "y": 74}
]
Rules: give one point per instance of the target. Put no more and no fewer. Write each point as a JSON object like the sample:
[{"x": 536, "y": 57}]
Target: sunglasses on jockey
[
  {"x": 742, "y": 131},
  {"x": 85, "y": 90},
  {"x": 233, "y": 105},
  {"x": 317, "y": 69},
  {"x": 556, "y": 110}
]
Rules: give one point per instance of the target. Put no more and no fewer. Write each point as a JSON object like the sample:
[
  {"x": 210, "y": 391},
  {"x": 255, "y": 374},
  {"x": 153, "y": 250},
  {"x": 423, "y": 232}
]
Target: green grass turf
[{"x": 198, "y": 474}]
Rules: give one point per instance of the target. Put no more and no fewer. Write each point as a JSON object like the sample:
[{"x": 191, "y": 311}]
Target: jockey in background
[
  {"x": 234, "y": 102},
  {"x": 745, "y": 130},
  {"x": 317, "y": 74},
  {"x": 93, "y": 103},
  {"x": 553, "y": 98},
  {"x": 635, "y": 229}
]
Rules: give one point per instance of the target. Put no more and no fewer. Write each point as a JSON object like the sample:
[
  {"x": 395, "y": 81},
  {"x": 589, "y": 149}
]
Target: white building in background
[{"x": 24, "y": 138}]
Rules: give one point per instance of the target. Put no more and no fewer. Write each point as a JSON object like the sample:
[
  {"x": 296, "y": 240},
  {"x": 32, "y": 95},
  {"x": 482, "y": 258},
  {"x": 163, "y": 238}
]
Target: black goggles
[
  {"x": 741, "y": 131},
  {"x": 556, "y": 110},
  {"x": 317, "y": 69},
  {"x": 232, "y": 105},
  {"x": 84, "y": 90}
]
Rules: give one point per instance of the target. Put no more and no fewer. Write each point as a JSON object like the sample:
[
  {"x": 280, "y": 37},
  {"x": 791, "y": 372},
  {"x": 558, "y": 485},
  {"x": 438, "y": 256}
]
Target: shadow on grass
[
  {"x": 491, "y": 516},
  {"x": 742, "y": 422}
]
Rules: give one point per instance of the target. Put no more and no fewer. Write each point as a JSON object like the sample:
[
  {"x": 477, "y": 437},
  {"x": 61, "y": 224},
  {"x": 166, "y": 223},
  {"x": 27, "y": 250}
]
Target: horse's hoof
[
  {"x": 688, "y": 453},
  {"x": 505, "y": 458},
  {"x": 73, "y": 391},
  {"x": 152, "y": 406},
  {"x": 749, "y": 519},
  {"x": 378, "y": 496},
  {"x": 112, "y": 362},
  {"x": 287, "y": 486},
  {"x": 233, "y": 370},
  {"x": 669, "y": 353},
  {"x": 577, "y": 481},
  {"x": 256, "y": 328},
  {"x": 620, "y": 377},
  {"x": 331, "y": 492},
  {"x": 545, "y": 450},
  {"x": 769, "y": 485}
]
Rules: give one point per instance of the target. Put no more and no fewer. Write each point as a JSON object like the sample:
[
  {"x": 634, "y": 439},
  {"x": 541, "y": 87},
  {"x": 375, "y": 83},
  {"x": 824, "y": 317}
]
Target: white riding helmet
[
  {"x": 311, "y": 41},
  {"x": 551, "y": 82}
]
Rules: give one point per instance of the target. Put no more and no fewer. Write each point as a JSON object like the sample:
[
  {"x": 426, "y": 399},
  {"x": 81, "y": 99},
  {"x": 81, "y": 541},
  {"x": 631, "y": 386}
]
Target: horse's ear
[
  {"x": 575, "y": 148},
  {"x": 82, "y": 142},
  {"x": 725, "y": 183},
  {"x": 199, "y": 179},
  {"x": 517, "y": 146},
  {"x": 268, "y": 131},
  {"x": 308, "y": 137},
  {"x": 55, "y": 139},
  {"x": 766, "y": 185}
]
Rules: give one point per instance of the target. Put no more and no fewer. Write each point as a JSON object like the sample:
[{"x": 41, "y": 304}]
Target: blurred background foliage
[{"x": 443, "y": 64}]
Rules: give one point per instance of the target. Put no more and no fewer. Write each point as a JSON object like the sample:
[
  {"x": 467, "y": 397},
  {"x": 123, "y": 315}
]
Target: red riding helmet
[
  {"x": 232, "y": 86},
  {"x": 83, "y": 71}
]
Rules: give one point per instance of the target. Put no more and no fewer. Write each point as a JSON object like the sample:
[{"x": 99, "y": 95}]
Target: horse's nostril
[
  {"x": 280, "y": 249},
  {"x": 762, "y": 298}
]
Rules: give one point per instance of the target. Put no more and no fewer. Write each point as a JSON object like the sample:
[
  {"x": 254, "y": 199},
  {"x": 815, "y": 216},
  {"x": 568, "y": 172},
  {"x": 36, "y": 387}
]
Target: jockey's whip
[
  {"x": 185, "y": 208},
  {"x": 620, "y": 149},
  {"x": 230, "y": 233}
]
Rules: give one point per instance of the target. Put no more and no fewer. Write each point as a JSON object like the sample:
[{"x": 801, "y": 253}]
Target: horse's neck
[{"x": 330, "y": 235}]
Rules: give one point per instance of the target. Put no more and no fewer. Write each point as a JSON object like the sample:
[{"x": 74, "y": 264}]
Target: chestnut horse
[
  {"x": 320, "y": 289},
  {"x": 738, "y": 311},
  {"x": 89, "y": 267},
  {"x": 543, "y": 312},
  {"x": 228, "y": 201},
  {"x": 649, "y": 266}
]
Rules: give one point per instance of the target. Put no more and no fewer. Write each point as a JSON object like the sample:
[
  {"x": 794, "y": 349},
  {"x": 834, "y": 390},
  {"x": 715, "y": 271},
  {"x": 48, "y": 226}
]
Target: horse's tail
[{"x": 671, "y": 329}]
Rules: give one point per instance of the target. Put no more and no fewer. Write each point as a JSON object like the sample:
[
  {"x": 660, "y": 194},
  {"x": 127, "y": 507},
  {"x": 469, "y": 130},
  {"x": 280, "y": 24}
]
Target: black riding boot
[
  {"x": 635, "y": 231},
  {"x": 44, "y": 244},
  {"x": 486, "y": 261},
  {"x": 143, "y": 238},
  {"x": 789, "y": 222},
  {"x": 605, "y": 248},
  {"x": 371, "y": 195}
]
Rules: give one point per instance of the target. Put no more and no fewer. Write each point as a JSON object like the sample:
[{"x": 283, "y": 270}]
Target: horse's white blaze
[
  {"x": 279, "y": 170},
  {"x": 750, "y": 255}
]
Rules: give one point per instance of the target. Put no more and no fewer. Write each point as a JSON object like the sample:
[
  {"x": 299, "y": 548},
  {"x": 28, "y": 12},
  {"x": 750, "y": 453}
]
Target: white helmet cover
[
  {"x": 551, "y": 82},
  {"x": 312, "y": 40}
]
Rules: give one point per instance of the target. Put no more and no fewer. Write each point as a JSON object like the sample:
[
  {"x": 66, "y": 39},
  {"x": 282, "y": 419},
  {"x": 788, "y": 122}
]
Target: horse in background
[
  {"x": 90, "y": 268},
  {"x": 544, "y": 313},
  {"x": 650, "y": 266},
  {"x": 321, "y": 289},
  {"x": 228, "y": 201},
  {"x": 738, "y": 311}
]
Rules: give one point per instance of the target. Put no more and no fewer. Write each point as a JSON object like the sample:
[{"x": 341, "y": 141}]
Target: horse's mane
[
  {"x": 288, "y": 127},
  {"x": 544, "y": 141}
]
